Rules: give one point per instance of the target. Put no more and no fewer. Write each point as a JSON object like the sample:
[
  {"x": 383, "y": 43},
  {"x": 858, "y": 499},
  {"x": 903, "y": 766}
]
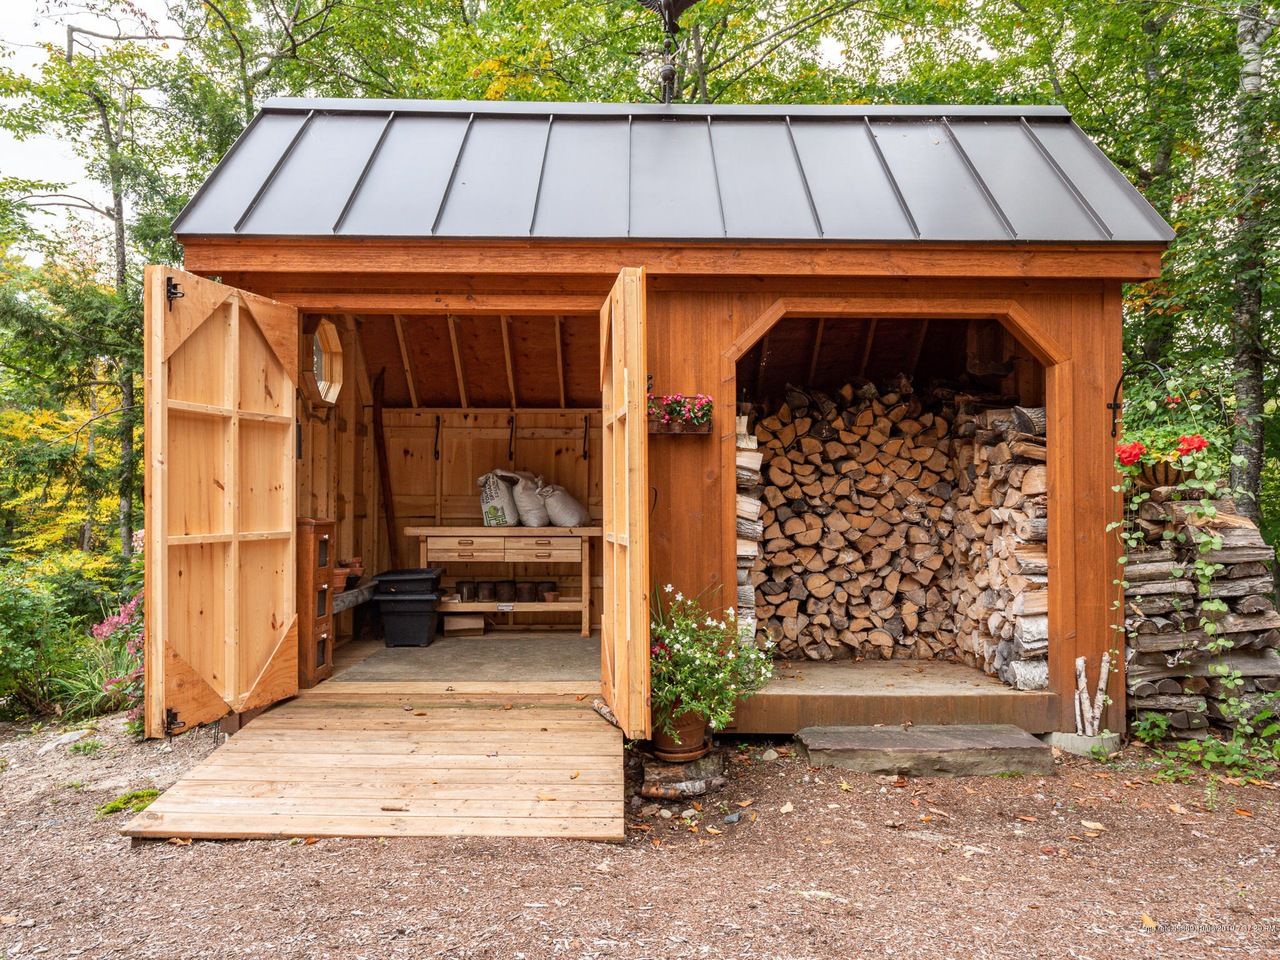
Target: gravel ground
[{"x": 819, "y": 864}]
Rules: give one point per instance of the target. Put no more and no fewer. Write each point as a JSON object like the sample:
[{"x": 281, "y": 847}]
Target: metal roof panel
[
  {"x": 405, "y": 183},
  {"x": 311, "y": 187},
  {"x": 1035, "y": 198},
  {"x": 1119, "y": 203},
  {"x": 851, "y": 188},
  {"x": 761, "y": 184},
  {"x": 943, "y": 196},
  {"x": 584, "y": 181},
  {"x": 496, "y": 182},
  {"x": 235, "y": 181},
  {"x": 674, "y": 192}
]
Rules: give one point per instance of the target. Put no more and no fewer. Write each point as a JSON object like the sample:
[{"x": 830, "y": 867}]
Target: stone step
[{"x": 956, "y": 750}]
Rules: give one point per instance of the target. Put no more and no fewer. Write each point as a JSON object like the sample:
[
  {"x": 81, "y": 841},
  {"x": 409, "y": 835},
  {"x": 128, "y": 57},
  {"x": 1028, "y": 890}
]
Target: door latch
[{"x": 172, "y": 291}]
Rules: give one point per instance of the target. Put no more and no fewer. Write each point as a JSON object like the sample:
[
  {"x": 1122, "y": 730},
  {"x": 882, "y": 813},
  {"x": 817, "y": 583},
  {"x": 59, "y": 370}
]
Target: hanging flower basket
[{"x": 1162, "y": 473}]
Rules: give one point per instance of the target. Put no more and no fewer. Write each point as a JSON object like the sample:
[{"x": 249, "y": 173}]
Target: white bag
[
  {"x": 531, "y": 507},
  {"x": 497, "y": 501},
  {"x": 563, "y": 510}
]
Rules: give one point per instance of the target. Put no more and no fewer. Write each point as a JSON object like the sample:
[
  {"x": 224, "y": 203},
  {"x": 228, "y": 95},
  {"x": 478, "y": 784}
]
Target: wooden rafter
[
  {"x": 922, "y": 331},
  {"x": 404, "y": 359},
  {"x": 457, "y": 363},
  {"x": 866, "y": 347},
  {"x": 506, "y": 353},
  {"x": 559, "y": 360},
  {"x": 817, "y": 348}
]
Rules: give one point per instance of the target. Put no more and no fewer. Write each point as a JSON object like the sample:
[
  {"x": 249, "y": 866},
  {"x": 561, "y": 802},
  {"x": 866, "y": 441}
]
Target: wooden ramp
[{"x": 421, "y": 759}]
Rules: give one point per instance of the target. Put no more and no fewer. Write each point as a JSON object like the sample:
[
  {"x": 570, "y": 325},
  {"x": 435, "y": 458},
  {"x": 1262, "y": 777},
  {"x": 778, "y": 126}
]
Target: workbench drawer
[
  {"x": 544, "y": 549},
  {"x": 464, "y": 548}
]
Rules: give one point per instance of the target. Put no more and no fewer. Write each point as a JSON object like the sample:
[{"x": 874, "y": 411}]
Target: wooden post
[{"x": 384, "y": 474}]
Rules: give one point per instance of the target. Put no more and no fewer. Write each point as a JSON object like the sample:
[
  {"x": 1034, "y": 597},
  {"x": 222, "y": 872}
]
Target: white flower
[
  {"x": 668, "y": 588},
  {"x": 679, "y": 596}
]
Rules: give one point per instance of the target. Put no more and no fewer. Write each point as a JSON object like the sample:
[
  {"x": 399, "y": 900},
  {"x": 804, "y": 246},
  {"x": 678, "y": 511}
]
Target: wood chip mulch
[{"x": 1095, "y": 862}]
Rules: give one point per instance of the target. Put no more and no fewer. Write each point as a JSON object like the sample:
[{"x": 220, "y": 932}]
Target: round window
[{"x": 324, "y": 379}]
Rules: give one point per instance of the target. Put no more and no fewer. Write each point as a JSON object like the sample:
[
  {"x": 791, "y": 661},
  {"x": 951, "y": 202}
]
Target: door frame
[{"x": 1062, "y": 392}]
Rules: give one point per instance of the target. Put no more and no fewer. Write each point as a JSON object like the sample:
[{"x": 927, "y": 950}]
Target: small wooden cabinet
[{"x": 315, "y": 600}]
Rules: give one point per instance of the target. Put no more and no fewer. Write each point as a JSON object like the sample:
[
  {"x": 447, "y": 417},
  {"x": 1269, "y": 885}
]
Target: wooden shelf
[{"x": 563, "y": 605}]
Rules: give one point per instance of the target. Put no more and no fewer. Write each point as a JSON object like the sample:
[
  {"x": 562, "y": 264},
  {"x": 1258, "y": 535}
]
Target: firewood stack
[
  {"x": 1173, "y": 668},
  {"x": 750, "y": 526},
  {"x": 856, "y": 525},
  {"x": 1000, "y": 588}
]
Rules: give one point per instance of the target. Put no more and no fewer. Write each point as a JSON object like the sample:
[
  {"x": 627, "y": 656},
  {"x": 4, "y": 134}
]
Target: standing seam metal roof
[{"x": 418, "y": 168}]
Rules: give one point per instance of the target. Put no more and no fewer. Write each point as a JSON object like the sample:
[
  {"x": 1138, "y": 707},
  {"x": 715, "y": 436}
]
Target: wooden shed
[{"x": 384, "y": 300}]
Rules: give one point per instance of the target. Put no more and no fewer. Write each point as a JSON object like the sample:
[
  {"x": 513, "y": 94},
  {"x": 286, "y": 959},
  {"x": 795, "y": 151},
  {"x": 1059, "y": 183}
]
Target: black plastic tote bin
[
  {"x": 412, "y": 580},
  {"x": 408, "y": 619}
]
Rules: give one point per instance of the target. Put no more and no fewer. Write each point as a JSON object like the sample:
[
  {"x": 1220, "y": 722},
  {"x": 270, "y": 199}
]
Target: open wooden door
[
  {"x": 221, "y": 369},
  {"x": 624, "y": 622}
]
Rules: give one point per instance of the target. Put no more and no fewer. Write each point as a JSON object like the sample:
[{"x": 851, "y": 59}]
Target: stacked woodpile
[
  {"x": 750, "y": 526},
  {"x": 999, "y": 590},
  {"x": 1175, "y": 666},
  {"x": 856, "y": 525}
]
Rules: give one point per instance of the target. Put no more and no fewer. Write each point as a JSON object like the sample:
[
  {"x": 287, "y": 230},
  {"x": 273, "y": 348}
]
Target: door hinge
[
  {"x": 172, "y": 291},
  {"x": 172, "y": 724}
]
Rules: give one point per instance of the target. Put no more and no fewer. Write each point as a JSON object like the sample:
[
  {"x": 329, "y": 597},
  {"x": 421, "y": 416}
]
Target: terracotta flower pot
[{"x": 690, "y": 741}]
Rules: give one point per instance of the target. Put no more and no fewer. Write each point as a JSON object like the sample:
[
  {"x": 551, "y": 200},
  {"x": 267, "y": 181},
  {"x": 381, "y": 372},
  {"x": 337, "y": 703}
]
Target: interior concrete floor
[{"x": 550, "y": 656}]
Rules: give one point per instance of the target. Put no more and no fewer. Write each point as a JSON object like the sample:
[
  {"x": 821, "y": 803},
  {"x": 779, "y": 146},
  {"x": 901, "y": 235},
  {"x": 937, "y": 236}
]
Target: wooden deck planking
[{"x": 363, "y": 765}]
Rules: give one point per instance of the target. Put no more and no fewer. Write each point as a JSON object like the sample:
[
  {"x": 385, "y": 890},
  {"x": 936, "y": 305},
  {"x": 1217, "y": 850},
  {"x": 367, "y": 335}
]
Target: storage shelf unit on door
[{"x": 441, "y": 545}]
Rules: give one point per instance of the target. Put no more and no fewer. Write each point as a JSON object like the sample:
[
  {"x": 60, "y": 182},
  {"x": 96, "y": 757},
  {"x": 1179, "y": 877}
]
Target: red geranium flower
[
  {"x": 1130, "y": 453},
  {"x": 1190, "y": 444},
  {"x": 1172, "y": 401}
]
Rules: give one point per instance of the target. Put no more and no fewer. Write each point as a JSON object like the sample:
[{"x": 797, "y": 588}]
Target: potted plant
[
  {"x": 700, "y": 668},
  {"x": 676, "y": 413}
]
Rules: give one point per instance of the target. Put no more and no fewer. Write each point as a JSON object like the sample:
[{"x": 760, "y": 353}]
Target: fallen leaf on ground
[
  {"x": 1178, "y": 809},
  {"x": 180, "y": 841},
  {"x": 575, "y": 775},
  {"x": 1148, "y": 922},
  {"x": 786, "y": 807},
  {"x": 8, "y": 921},
  {"x": 1025, "y": 819},
  {"x": 1242, "y": 812},
  {"x": 745, "y": 803},
  {"x": 1092, "y": 825}
]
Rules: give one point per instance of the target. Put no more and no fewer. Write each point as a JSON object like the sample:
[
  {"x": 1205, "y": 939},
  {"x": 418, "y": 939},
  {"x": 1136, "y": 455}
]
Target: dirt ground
[{"x": 1095, "y": 862}]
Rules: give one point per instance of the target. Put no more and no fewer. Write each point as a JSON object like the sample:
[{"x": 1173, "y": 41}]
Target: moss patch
[{"x": 135, "y": 801}]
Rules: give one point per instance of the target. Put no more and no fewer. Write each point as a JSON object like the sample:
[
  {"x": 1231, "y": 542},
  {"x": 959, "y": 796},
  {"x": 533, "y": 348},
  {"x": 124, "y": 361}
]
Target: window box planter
[{"x": 678, "y": 427}]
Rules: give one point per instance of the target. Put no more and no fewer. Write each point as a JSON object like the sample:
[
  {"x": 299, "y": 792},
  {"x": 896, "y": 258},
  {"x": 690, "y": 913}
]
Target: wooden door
[
  {"x": 221, "y": 374},
  {"x": 624, "y": 622}
]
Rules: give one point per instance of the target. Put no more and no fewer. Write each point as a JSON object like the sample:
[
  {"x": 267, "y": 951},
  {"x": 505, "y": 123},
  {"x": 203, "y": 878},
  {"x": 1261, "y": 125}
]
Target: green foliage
[
  {"x": 135, "y": 801},
  {"x": 86, "y": 748},
  {"x": 699, "y": 663}
]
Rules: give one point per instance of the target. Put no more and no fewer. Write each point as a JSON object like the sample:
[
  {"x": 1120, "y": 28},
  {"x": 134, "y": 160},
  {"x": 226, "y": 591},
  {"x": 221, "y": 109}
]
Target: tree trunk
[
  {"x": 1251, "y": 34},
  {"x": 128, "y": 461}
]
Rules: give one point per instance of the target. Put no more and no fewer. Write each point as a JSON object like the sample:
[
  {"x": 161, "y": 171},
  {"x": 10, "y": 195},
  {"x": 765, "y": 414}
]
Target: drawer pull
[
  {"x": 466, "y": 543},
  {"x": 543, "y": 543},
  {"x": 465, "y": 553},
  {"x": 543, "y": 556}
]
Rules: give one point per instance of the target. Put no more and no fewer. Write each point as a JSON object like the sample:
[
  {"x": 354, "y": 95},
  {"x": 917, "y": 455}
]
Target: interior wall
[
  {"x": 336, "y": 470},
  {"x": 435, "y": 456}
]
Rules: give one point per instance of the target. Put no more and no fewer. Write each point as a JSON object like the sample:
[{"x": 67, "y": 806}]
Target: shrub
[{"x": 30, "y": 617}]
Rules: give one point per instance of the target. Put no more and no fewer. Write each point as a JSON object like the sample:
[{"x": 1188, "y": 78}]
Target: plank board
[{"x": 397, "y": 762}]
